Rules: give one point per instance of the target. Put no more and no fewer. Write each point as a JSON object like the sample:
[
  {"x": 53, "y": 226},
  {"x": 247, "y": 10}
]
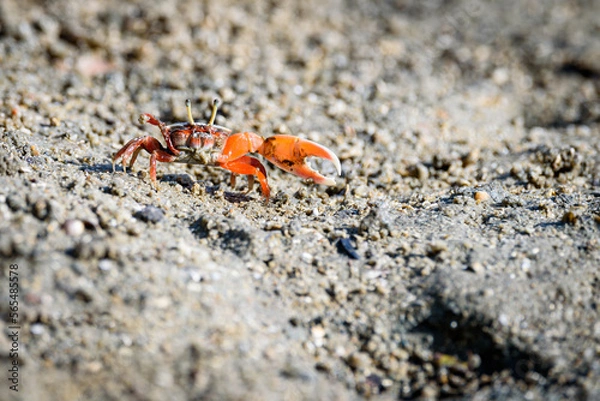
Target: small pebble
[
  {"x": 482, "y": 196},
  {"x": 150, "y": 214},
  {"x": 421, "y": 172},
  {"x": 306, "y": 257},
  {"x": 41, "y": 209},
  {"x": 477, "y": 267},
  {"x": 359, "y": 360},
  {"x": 74, "y": 227},
  {"x": 318, "y": 334},
  {"x": 437, "y": 247},
  {"x": 105, "y": 264},
  {"x": 471, "y": 158},
  {"x": 500, "y": 76},
  {"x": 571, "y": 217},
  {"x": 361, "y": 191},
  {"x": 37, "y": 329},
  {"x": 92, "y": 367},
  {"x": 345, "y": 245}
]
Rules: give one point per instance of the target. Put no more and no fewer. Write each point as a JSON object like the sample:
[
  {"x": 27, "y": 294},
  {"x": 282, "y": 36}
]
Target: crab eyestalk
[
  {"x": 188, "y": 107},
  {"x": 213, "y": 114}
]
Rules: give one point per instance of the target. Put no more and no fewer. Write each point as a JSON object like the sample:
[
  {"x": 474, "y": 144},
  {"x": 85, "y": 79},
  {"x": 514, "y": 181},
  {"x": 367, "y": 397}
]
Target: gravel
[{"x": 457, "y": 255}]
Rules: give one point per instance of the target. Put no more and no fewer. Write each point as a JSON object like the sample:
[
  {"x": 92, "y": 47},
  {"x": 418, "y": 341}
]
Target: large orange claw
[{"x": 289, "y": 153}]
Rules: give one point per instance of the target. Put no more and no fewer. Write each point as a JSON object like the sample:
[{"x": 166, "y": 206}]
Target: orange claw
[{"x": 289, "y": 153}]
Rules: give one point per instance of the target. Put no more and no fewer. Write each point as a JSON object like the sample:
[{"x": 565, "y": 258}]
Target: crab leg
[
  {"x": 289, "y": 153},
  {"x": 248, "y": 165},
  {"x": 234, "y": 158},
  {"x": 151, "y": 145}
]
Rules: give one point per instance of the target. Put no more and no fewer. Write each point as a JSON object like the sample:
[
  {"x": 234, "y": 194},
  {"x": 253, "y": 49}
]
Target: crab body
[
  {"x": 196, "y": 144},
  {"x": 209, "y": 144}
]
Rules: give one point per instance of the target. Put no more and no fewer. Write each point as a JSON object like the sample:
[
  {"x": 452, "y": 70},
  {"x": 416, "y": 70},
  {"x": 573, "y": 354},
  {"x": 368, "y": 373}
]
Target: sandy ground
[{"x": 457, "y": 256}]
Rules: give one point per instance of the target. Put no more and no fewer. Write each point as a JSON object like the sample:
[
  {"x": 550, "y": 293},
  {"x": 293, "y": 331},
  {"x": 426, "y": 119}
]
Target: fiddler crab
[{"x": 210, "y": 144}]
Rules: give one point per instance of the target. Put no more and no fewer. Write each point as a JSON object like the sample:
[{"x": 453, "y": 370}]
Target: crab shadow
[{"x": 185, "y": 180}]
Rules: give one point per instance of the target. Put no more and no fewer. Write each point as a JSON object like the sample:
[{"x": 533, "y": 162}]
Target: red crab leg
[
  {"x": 150, "y": 145},
  {"x": 164, "y": 130},
  {"x": 289, "y": 153}
]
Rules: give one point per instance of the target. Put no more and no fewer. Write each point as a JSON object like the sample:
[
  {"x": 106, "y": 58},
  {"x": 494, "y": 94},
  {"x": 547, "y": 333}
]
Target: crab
[{"x": 209, "y": 144}]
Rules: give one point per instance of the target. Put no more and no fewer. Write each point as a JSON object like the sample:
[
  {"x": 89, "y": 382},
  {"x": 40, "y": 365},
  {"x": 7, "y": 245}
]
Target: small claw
[
  {"x": 289, "y": 153},
  {"x": 146, "y": 118}
]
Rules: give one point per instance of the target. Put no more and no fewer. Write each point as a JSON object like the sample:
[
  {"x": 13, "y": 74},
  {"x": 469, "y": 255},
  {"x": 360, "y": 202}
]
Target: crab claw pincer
[{"x": 289, "y": 153}]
